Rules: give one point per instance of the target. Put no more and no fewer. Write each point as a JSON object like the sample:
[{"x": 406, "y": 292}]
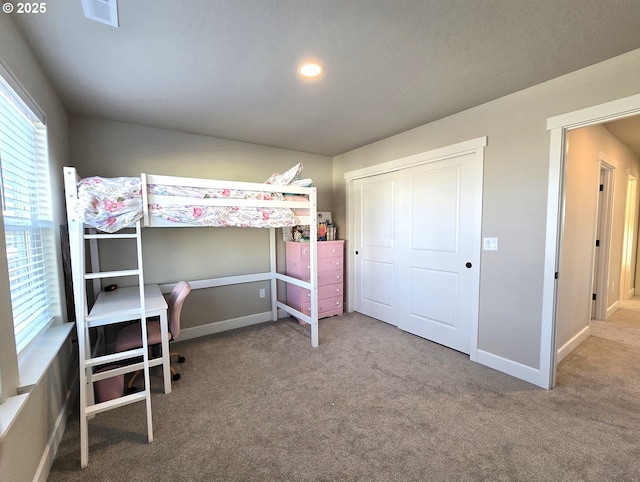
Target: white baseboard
[
  {"x": 220, "y": 326},
  {"x": 569, "y": 346},
  {"x": 510, "y": 367},
  {"x": 612, "y": 309},
  {"x": 42, "y": 472}
]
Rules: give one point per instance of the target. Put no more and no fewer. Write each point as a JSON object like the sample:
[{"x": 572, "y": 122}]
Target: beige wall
[
  {"x": 110, "y": 149},
  {"x": 516, "y": 173},
  {"x": 581, "y": 191},
  {"x": 25, "y": 443}
]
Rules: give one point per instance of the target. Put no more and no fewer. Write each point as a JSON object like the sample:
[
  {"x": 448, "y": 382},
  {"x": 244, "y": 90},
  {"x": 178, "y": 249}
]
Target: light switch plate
[{"x": 490, "y": 244}]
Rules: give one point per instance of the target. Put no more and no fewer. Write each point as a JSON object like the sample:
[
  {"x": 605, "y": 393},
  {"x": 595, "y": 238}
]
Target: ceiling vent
[{"x": 103, "y": 11}]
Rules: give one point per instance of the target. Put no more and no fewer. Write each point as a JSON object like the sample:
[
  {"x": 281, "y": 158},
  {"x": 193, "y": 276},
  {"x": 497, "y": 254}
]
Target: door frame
[
  {"x": 627, "y": 282},
  {"x": 602, "y": 253},
  {"x": 558, "y": 127},
  {"x": 461, "y": 148}
]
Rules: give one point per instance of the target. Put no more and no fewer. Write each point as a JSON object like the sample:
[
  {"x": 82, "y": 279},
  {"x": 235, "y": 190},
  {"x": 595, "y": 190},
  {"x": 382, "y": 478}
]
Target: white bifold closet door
[{"x": 417, "y": 240}]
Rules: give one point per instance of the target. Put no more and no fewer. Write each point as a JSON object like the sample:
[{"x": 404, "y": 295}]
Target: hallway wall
[{"x": 582, "y": 177}]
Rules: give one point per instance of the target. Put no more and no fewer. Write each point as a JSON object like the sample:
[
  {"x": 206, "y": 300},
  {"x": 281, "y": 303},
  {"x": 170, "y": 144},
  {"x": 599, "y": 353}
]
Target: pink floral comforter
[{"x": 110, "y": 204}]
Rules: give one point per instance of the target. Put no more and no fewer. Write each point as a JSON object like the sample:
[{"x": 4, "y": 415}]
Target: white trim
[
  {"x": 349, "y": 261},
  {"x": 612, "y": 309},
  {"x": 510, "y": 367},
  {"x": 226, "y": 325},
  {"x": 555, "y": 218},
  {"x": 627, "y": 281},
  {"x": 597, "y": 114},
  {"x": 603, "y": 227},
  {"x": 571, "y": 345},
  {"x": 11, "y": 79},
  {"x": 434, "y": 155},
  {"x": 48, "y": 456},
  {"x": 559, "y": 125}
]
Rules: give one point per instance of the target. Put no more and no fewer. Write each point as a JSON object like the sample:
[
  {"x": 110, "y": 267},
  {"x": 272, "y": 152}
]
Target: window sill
[
  {"x": 33, "y": 365},
  {"x": 35, "y": 362},
  {"x": 9, "y": 411}
]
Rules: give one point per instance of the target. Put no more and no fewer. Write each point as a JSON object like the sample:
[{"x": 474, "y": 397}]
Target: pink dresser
[{"x": 330, "y": 277}]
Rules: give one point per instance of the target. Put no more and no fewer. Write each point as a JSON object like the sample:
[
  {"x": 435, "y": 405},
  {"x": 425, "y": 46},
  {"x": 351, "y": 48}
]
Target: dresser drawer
[
  {"x": 329, "y": 264},
  {"x": 327, "y": 272},
  {"x": 326, "y": 249},
  {"x": 299, "y": 295},
  {"x": 330, "y": 291},
  {"x": 329, "y": 277},
  {"x": 330, "y": 249},
  {"x": 328, "y": 305}
]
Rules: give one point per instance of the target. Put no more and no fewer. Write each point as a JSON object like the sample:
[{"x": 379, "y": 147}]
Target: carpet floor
[{"x": 371, "y": 403}]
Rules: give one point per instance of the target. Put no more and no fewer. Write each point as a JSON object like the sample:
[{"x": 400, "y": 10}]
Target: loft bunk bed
[
  {"x": 112, "y": 204},
  {"x": 102, "y": 208}
]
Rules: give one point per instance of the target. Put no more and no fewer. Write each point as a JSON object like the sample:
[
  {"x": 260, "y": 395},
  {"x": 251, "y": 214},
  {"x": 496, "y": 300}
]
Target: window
[{"x": 27, "y": 215}]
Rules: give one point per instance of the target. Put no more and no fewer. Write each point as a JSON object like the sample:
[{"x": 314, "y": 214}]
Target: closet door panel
[
  {"x": 439, "y": 254},
  {"x": 374, "y": 246}
]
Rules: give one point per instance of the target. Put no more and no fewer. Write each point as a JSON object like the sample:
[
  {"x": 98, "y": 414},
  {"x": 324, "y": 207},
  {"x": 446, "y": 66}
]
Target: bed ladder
[{"x": 89, "y": 357}]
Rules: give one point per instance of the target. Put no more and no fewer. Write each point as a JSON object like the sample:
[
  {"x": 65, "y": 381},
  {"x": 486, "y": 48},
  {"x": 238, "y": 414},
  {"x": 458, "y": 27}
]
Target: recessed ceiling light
[{"x": 311, "y": 69}]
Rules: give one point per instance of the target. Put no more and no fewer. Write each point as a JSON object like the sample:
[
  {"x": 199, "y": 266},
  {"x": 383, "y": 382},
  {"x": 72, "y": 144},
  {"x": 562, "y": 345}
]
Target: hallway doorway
[{"x": 553, "y": 300}]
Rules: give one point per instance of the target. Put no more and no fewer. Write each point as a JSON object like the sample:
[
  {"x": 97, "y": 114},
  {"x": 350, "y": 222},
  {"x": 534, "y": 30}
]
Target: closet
[{"x": 415, "y": 256}]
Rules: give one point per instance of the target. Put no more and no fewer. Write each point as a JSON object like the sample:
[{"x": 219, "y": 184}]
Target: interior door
[
  {"x": 439, "y": 210},
  {"x": 597, "y": 249},
  {"x": 375, "y": 247}
]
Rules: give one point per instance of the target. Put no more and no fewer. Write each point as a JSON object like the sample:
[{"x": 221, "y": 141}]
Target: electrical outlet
[{"x": 262, "y": 293}]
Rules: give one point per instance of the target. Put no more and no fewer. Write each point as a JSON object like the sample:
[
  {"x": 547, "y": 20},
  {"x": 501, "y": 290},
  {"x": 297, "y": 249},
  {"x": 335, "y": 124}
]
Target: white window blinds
[{"x": 27, "y": 217}]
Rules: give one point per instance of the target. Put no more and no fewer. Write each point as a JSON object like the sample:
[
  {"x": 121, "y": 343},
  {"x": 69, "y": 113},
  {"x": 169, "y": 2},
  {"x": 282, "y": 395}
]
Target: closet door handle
[
  {"x": 468, "y": 265},
  {"x": 356, "y": 252}
]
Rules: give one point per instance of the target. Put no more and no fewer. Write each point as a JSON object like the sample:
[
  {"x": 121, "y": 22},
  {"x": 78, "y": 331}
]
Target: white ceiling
[{"x": 227, "y": 68}]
